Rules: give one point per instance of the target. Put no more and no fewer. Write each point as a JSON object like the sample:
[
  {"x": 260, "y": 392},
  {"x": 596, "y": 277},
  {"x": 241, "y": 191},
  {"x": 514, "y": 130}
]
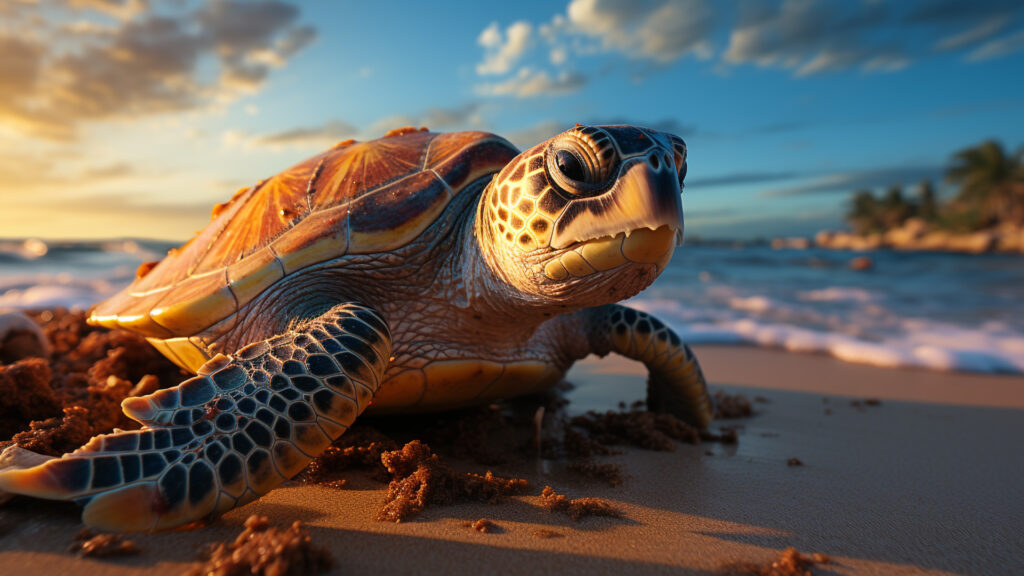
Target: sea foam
[{"x": 922, "y": 344}]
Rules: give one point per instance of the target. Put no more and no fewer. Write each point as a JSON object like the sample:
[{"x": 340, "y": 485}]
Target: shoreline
[
  {"x": 917, "y": 236},
  {"x": 855, "y": 379},
  {"x": 926, "y": 482}
]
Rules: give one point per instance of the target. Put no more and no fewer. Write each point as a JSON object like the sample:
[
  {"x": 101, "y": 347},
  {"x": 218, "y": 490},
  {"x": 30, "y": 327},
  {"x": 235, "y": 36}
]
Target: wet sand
[{"x": 929, "y": 481}]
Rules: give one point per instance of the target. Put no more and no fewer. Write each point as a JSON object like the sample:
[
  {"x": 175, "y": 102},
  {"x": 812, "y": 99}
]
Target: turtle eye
[
  {"x": 574, "y": 168},
  {"x": 569, "y": 165}
]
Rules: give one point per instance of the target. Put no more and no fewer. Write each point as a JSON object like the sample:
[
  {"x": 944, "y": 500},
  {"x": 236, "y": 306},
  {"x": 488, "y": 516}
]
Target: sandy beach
[{"x": 926, "y": 482}]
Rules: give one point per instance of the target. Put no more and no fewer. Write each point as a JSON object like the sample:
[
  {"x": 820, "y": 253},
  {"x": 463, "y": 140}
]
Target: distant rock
[
  {"x": 791, "y": 243},
  {"x": 916, "y": 235},
  {"x": 862, "y": 263}
]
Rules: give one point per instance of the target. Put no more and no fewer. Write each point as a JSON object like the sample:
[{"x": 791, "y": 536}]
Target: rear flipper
[
  {"x": 236, "y": 431},
  {"x": 675, "y": 383}
]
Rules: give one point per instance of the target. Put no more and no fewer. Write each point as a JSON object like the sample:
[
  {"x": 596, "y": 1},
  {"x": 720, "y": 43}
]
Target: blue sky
[{"x": 133, "y": 117}]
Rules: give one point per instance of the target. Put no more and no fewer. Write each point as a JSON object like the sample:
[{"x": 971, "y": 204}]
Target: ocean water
[{"x": 928, "y": 310}]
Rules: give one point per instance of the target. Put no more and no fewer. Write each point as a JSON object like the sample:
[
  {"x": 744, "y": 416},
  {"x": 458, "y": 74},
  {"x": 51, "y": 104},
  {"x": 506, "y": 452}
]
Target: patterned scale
[{"x": 231, "y": 434}]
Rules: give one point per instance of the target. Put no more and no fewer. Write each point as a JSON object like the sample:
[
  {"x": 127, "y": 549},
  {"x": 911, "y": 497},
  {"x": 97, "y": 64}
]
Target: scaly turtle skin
[{"x": 416, "y": 272}]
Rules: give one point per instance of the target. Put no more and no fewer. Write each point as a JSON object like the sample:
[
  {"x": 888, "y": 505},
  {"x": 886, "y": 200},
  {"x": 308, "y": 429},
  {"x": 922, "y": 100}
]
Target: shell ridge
[
  {"x": 230, "y": 223},
  {"x": 311, "y": 185},
  {"x": 277, "y": 259},
  {"x": 451, "y": 193},
  {"x": 426, "y": 154},
  {"x": 231, "y": 290},
  {"x": 377, "y": 189}
]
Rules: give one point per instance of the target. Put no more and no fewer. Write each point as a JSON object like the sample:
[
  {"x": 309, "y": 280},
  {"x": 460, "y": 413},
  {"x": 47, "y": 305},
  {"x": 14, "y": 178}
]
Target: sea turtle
[{"x": 417, "y": 272}]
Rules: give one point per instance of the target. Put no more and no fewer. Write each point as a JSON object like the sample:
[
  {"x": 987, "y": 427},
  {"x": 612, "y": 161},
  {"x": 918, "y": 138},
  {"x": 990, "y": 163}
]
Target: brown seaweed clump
[
  {"x": 650, "y": 430},
  {"x": 18, "y": 344},
  {"x": 262, "y": 549},
  {"x": 360, "y": 447},
  {"x": 789, "y": 563},
  {"x": 91, "y": 545},
  {"x": 54, "y": 405},
  {"x": 485, "y": 435},
  {"x": 25, "y": 395},
  {"x": 419, "y": 478},
  {"x": 576, "y": 508},
  {"x": 728, "y": 406}
]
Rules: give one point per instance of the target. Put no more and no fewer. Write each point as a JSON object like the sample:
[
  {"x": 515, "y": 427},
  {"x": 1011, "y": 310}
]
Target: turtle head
[{"x": 588, "y": 217}]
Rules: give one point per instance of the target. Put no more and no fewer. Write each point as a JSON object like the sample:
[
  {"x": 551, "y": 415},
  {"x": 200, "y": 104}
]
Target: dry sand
[{"x": 930, "y": 481}]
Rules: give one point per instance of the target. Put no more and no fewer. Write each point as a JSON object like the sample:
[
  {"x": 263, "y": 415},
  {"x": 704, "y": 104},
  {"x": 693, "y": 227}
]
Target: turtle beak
[{"x": 645, "y": 196}]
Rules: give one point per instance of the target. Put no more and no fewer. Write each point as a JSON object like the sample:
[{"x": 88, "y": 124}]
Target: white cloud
[
  {"x": 812, "y": 37},
  {"x": 803, "y": 37},
  {"x": 886, "y": 63},
  {"x": 502, "y": 52},
  {"x": 998, "y": 47},
  {"x": 660, "y": 30},
  {"x": 179, "y": 58},
  {"x": 974, "y": 34},
  {"x": 559, "y": 55},
  {"x": 119, "y": 9},
  {"x": 529, "y": 82}
]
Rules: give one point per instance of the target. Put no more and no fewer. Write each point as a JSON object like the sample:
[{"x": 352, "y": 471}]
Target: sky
[{"x": 131, "y": 118}]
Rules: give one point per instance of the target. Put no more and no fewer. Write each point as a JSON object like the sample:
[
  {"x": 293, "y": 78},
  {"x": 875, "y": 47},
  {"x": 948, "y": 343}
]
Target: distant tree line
[{"x": 991, "y": 192}]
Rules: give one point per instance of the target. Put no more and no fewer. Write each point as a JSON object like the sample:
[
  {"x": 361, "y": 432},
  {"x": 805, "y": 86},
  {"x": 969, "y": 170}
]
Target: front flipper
[
  {"x": 242, "y": 426},
  {"x": 676, "y": 383}
]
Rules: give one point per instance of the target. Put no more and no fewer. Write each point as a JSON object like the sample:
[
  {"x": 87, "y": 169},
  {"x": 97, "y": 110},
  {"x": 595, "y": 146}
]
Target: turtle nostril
[{"x": 655, "y": 162}]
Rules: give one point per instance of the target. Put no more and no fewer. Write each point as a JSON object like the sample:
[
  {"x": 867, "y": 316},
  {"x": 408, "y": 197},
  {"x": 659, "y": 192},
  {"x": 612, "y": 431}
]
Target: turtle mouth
[{"x": 643, "y": 246}]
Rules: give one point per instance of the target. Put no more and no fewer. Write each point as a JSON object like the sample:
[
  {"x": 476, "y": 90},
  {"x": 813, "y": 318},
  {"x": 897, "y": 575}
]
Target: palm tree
[
  {"x": 895, "y": 210},
  {"x": 863, "y": 212},
  {"x": 990, "y": 181},
  {"x": 927, "y": 209}
]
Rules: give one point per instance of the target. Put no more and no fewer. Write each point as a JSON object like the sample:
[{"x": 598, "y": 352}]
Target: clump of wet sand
[
  {"x": 576, "y": 508},
  {"x": 90, "y": 545},
  {"x": 262, "y": 549},
  {"x": 789, "y": 563},
  {"x": 419, "y": 478}
]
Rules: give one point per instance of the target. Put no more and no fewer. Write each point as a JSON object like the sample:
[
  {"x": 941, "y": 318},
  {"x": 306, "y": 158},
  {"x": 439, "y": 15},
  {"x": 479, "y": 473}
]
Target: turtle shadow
[
  {"x": 523, "y": 512},
  {"x": 510, "y": 508},
  {"x": 42, "y": 527},
  {"x": 484, "y": 555}
]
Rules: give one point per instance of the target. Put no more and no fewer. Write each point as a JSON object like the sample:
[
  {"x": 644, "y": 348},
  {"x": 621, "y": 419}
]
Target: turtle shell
[{"x": 356, "y": 198}]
